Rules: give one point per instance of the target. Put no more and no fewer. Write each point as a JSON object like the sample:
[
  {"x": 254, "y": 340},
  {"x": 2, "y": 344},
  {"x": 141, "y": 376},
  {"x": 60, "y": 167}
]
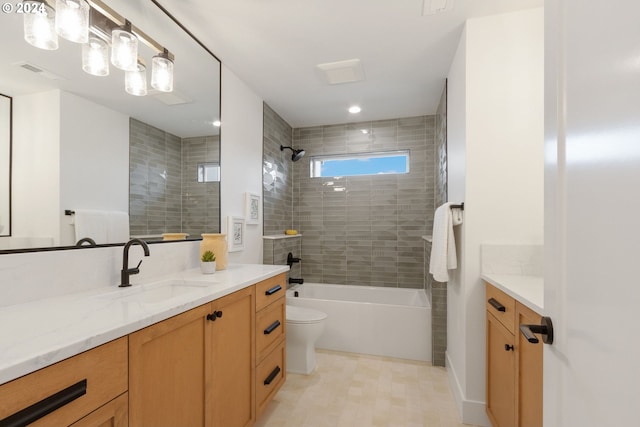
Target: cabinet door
[
  {"x": 230, "y": 341},
  {"x": 112, "y": 414},
  {"x": 529, "y": 379},
  {"x": 501, "y": 382},
  {"x": 167, "y": 372}
]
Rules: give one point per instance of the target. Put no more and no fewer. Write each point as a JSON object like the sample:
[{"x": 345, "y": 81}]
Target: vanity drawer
[
  {"x": 502, "y": 306},
  {"x": 270, "y": 375},
  {"x": 80, "y": 384},
  {"x": 270, "y": 328},
  {"x": 270, "y": 290}
]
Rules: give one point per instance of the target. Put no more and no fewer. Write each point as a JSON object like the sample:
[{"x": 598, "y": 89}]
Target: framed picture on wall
[
  {"x": 235, "y": 233},
  {"x": 252, "y": 208}
]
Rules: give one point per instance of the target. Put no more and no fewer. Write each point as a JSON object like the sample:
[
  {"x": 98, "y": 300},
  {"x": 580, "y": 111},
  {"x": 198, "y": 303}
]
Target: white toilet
[{"x": 304, "y": 327}]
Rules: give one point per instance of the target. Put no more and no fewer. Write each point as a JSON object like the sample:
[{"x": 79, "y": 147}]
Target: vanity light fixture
[
  {"x": 95, "y": 56},
  {"x": 354, "y": 109},
  {"x": 72, "y": 20},
  {"x": 135, "y": 82},
  {"x": 216, "y": 123},
  {"x": 364, "y": 131},
  {"x": 162, "y": 72},
  {"x": 39, "y": 27},
  {"x": 124, "y": 48},
  {"x": 95, "y": 24}
]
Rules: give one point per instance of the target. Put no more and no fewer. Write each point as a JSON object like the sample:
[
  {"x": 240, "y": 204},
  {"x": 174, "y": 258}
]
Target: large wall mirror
[{"x": 82, "y": 144}]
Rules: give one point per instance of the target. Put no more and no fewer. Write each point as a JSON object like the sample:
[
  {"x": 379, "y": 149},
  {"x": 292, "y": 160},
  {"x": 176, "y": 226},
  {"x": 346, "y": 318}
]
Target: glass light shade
[
  {"x": 135, "y": 82},
  {"x": 39, "y": 28},
  {"x": 95, "y": 57},
  {"x": 72, "y": 20},
  {"x": 124, "y": 49},
  {"x": 162, "y": 72}
]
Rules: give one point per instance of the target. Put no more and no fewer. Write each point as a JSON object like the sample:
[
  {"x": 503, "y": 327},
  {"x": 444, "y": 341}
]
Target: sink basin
[{"x": 154, "y": 293}]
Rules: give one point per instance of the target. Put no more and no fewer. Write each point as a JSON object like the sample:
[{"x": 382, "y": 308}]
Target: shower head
[{"x": 297, "y": 154}]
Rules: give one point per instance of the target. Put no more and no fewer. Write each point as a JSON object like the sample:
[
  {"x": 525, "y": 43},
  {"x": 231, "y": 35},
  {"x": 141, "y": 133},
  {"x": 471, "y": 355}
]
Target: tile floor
[{"x": 353, "y": 390}]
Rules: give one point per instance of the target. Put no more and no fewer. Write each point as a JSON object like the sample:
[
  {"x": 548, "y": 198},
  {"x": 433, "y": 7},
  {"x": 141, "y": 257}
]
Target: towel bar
[
  {"x": 460, "y": 206},
  {"x": 69, "y": 212}
]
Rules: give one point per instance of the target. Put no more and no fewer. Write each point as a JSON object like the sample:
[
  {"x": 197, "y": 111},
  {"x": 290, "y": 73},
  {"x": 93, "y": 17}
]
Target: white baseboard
[{"x": 470, "y": 411}]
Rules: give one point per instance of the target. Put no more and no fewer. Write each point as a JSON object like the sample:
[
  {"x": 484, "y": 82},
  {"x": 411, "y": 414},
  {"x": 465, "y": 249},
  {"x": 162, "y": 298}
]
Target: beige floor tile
[{"x": 353, "y": 390}]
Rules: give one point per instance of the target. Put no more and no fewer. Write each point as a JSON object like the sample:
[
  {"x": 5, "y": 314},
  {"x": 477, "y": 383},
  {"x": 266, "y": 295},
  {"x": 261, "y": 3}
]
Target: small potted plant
[{"x": 208, "y": 262}]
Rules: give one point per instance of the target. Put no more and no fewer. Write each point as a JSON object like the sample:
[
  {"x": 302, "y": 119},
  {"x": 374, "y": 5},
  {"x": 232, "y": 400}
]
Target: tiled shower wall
[
  {"x": 366, "y": 230},
  {"x": 277, "y": 181},
  {"x": 437, "y": 291},
  {"x": 164, "y": 195}
]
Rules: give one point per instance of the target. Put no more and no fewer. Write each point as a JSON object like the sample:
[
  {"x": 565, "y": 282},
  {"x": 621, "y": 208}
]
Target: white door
[{"x": 592, "y": 212}]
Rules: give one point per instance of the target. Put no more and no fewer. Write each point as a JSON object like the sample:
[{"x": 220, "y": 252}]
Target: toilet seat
[{"x": 302, "y": 315}]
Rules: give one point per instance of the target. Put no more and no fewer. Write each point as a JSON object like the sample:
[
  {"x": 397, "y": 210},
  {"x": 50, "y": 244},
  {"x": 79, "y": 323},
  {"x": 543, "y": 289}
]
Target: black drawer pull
[
  {"x": 272, "y": 327},
  {"x": 272, "y": 375},
  {"x": 273, "y": 290},
  {"x": 46, "y": 406},
  {"x": 495, "y": 304}
]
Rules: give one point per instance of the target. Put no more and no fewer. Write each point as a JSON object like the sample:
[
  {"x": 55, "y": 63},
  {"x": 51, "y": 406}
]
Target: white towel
[
  {"x": 93, "y": 224},
  {"x": 443, "y": 248},
  {"x": 118, "y": 227}
]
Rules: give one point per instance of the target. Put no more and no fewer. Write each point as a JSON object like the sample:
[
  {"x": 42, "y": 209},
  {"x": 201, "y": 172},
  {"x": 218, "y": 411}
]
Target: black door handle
[
  {"x": 496, "y": 304},
  {"x": 273, "y": 290},
  {"x": 272, "y": 327},
  {"x": 545, "y": 330}
]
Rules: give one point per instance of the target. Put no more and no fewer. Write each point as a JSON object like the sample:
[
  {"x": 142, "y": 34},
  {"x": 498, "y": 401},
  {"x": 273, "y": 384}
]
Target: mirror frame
[{"x": 62, "y": 248}]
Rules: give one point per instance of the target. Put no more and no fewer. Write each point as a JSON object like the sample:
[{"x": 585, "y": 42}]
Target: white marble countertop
[
  {"x": 39, "y": 333},
  {"x": 529, "y": 290}
]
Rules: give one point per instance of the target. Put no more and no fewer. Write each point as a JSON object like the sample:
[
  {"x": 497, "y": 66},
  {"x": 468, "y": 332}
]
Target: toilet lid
[{"x": 304, "y": 315}]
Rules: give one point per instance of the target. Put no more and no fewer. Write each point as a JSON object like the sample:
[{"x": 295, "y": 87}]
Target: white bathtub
[{"x": 393, "y": 322}]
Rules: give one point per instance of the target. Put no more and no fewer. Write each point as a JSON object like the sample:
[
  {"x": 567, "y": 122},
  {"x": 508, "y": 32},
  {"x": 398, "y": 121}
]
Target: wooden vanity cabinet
[
  {"x": 91, "y": 387},
  {"x": 514, "y": 365},
  {"x": 271, "y": 330},
  {"x": 231, "y": 370}
]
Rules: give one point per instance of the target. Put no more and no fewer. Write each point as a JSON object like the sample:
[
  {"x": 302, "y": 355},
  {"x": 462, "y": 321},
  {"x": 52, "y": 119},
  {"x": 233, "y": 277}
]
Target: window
[
  {"x": 381, "y": 163},
  {"x": 208, "y": 172}
]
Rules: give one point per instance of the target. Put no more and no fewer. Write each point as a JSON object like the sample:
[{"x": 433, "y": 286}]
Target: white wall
[
  {"x": 500, "y": 106},
  {"x": 241, "y": 159},
  {"x": 94, "y": 160},
  {"x": 36, "y": 178},
  {"x": 5, "y": 151}
]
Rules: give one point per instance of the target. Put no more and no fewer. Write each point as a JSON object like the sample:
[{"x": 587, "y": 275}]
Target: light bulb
[
  {"x": 162, "y": 72},
  {"x": 95, "y": 57},
  {"x": 135, "y": 82},
  {"x": 72, "y": 20},
  {"x": 124, "y": 48},
  {"x": 39, "y": 28}
]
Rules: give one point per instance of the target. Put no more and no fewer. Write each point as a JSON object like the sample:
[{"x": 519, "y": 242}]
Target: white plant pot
[{"x": 208, "y": 267}]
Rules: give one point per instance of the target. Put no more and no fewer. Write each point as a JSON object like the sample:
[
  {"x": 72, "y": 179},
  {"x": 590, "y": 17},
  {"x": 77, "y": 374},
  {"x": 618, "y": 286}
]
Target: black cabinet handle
[
  {"x": 496, "y": 304},
  {"x": 46, "y": 406},
  {"x": 545, "y": 329},
  {"x": 272, "y": 327},
  {"x": 508, "y": 347},
  {"x": 213, "y": 316},
  {"x": 272, "y": 376},
  {"x": 273, "y": 290}
]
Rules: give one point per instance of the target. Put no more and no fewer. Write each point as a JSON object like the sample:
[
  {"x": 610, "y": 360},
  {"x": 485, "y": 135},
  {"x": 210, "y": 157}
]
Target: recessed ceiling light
[
  {"x": 354, "y": 109},
  {"x": 216, "y": 123}
]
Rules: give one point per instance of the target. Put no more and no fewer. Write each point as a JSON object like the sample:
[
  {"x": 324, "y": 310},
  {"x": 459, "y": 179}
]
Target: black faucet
[{"x": 126, "y": 271}]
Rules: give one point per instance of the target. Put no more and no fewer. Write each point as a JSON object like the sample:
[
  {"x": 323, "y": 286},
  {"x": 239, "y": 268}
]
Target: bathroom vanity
[
  {"x": 183, "y": 351},
  {"x": 514, "y": 365}
]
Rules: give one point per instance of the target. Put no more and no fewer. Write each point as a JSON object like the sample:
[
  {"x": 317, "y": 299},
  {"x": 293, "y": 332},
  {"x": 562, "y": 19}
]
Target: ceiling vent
[
  {"x": 433, "y": 7},
  {"x": 348, "y": 71},
  {"x": 38, "y": 70},
  {"x": 171, "y": 98}
]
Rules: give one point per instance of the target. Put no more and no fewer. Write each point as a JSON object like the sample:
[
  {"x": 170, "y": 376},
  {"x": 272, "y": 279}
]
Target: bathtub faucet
[{"x": 293, "y": 281}]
